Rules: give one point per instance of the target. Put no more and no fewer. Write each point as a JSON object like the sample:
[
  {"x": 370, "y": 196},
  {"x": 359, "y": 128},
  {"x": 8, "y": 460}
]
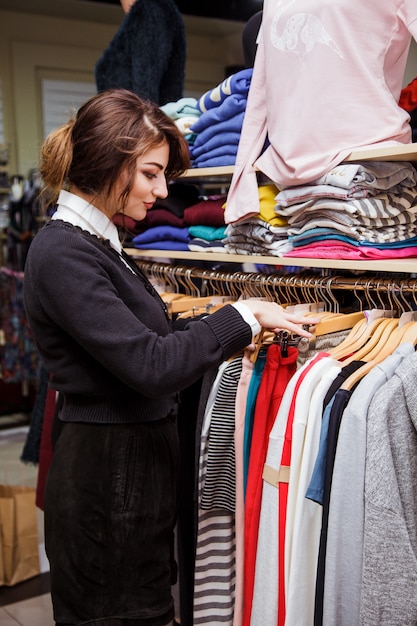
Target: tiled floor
[
  {"x": 35, "y": 611},
  {"x": 27, "y": 603}
]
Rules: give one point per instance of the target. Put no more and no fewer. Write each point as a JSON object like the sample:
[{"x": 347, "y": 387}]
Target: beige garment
[{"x": 308, "y": 348}]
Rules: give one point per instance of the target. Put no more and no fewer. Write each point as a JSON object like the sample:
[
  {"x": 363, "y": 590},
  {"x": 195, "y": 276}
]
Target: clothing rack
[
  {"x": 19, "y": 359},
  {"x": 399, "y": 292}
]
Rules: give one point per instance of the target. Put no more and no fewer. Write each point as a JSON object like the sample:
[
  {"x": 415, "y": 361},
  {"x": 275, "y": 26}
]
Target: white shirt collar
[{"x": 78, "y": 212}]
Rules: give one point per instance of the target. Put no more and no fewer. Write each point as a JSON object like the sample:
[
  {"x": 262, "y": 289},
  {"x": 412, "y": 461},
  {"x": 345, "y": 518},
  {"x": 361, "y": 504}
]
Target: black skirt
[{"x": 110, "y": 512}]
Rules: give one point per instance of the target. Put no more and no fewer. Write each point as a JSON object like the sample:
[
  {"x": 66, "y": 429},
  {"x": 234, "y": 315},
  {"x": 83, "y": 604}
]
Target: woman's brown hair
[{"x": 107, "y": 135}]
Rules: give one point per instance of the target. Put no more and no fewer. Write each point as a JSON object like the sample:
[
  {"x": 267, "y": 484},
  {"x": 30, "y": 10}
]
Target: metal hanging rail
[{"x": 297, "y": 287}]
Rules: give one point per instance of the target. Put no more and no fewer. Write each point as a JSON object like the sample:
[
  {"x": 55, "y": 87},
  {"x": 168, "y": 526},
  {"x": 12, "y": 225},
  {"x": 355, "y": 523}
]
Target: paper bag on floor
[{"x": 19, "y": 553}]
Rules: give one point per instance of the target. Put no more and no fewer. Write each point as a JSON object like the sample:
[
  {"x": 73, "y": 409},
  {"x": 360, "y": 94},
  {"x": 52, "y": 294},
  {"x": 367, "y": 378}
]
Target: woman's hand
[{"x": 272, "y": 316}]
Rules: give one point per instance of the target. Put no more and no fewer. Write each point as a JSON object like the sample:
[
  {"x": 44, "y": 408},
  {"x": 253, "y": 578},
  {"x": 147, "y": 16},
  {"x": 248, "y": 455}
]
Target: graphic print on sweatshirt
[{"x": 300, "y": 33}]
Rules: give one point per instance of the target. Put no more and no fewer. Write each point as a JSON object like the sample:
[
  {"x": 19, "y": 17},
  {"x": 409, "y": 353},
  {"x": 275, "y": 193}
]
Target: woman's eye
[{"x": 149, "y": 175}]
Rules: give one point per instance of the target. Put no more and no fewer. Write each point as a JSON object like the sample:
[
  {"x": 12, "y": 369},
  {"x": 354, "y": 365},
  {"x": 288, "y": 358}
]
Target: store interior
[{"x": 50, "y": 51}]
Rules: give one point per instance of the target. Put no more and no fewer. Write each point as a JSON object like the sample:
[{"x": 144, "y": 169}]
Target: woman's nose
[{"x": 161, "y": 188}]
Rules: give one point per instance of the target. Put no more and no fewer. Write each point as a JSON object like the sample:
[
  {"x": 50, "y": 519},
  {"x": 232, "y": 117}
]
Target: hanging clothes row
[
  {"x": 292, "y": 471},
  {"x": 305, "y": 491}
]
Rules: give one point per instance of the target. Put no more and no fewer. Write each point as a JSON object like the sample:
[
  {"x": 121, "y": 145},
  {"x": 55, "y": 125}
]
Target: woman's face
[{"x": 149, "y": 183}]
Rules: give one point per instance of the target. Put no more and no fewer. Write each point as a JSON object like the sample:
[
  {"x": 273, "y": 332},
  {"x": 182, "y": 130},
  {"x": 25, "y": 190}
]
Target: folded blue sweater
[
  {"x": 236, "y": 83},
  {"x": 230, "y": 107},
  {"x": 162, "y": 233},
  {"x": 228, "y": 130}
]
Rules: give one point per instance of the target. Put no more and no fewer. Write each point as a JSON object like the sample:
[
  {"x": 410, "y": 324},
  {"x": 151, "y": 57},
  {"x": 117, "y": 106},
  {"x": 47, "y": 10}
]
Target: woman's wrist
[{"x": 248, "y": 316}]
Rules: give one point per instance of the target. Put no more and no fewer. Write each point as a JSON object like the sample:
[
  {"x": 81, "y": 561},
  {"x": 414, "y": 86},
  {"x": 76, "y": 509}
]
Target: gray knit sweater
[{"x": 389, "y": 574}]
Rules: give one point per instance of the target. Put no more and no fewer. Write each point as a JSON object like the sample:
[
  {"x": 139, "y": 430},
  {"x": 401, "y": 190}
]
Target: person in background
[
  {"x": 118, "y": 362},
  {"x": 148, "y": 52},
  {"x": 250, "y": 36}
]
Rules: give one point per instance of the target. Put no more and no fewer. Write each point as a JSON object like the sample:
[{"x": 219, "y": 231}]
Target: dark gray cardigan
[{"x": 103, "y": 334}]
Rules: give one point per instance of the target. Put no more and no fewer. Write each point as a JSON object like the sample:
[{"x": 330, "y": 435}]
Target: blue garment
[
  {"x": 218, "y": 161},
  {"x": 222, "y": 141},
  {"x": 252, "y": 394},
  {"x": 220, "y": 130},
  {"x": 236, "y": 83},
  {"x": 162, "y": 233},
  {"x": 323, "y": 234},
  {"x": 210, "y": 233},
  {"x": 233, "y": 105},
  {"x": 220, "y": 151},
  {"x": 164, "y": 245},
  {"x": 315, "y": 490}
]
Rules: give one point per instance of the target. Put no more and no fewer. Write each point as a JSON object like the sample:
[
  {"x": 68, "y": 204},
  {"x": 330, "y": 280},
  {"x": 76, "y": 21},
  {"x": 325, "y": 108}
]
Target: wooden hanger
[
  {"x": 410, "y": 333},
  {"x": 360, "y": 335},
  {"x": 192, "y": 306},
  {"x": 188, "y": 303},
  {"x": 259, "y": 343},
  {"x": 389, "y": 341},
  {"x": 384, "y": 342},
  {"x": 375, "y": 341},
  {"x": 337, "y": 322},
  {"x": 170, "y": 296},
  {"x": 326, "y": 308},
  {"x": 396, "y": 332}
]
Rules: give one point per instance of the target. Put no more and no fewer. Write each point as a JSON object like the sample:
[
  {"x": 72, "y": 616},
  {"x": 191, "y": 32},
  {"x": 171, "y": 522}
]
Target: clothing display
[
  {"x": 198, "y": 225},
  {"x": 301, "y": 554},
  {"x": 214, "y": 588},
  {"x": 264, "y": 233},
  {"x": 342, "y": 590},
  {"x": 302, "y": 44},
  {"x": 286, "y": 476},
  {"x": 212, "y": 123},
  {"x": 371, "y": 205},
  {"x": 283, "y": 432}
]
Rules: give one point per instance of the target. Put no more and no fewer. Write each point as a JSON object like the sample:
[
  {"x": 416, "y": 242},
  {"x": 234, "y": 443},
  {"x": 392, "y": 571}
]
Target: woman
[{"x": 105, "y": 335}]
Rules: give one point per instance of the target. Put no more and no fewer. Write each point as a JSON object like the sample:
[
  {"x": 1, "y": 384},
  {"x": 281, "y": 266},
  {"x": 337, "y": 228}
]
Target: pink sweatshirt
[{"x": 327, "y": 79}]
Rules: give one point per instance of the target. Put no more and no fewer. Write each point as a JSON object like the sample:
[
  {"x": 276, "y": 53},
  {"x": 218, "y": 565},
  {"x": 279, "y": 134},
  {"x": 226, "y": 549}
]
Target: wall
[
  {"x": 33, "y": 47},
  {"x": 36, "y": 46}
]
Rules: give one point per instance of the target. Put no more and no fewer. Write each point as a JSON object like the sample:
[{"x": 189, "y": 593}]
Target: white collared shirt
[{"x": 79, "y": 212}]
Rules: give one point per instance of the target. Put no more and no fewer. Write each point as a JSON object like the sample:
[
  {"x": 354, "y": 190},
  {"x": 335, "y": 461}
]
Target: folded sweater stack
[
  {"x": 217, "y": 130},
  {"x": 182, "y": 221},
  {"x": 371, "y": 205}
]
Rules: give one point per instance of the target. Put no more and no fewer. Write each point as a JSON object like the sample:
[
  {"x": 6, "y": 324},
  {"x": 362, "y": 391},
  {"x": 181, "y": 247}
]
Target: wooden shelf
[
  {"x": 403, "y": 152},
  {"x": 408, "y": 266},
  {"x": 204, "y": 172}
]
